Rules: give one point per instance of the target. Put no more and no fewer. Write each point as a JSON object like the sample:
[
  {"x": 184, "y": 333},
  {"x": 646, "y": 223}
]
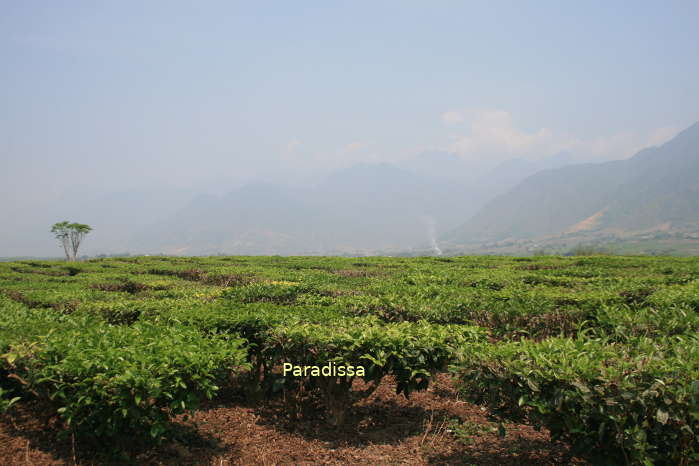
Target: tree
[{"x": 70, "y": 235}]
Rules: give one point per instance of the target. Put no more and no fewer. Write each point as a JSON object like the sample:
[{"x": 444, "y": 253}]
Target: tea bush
[
  {"x": 410, "y": 352},
  {"x": 636, "y": 403},
  {"x": 116, "y": 380}
]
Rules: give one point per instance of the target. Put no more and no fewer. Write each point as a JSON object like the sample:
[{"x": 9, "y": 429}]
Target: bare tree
[{"x": 70, "y": 235}]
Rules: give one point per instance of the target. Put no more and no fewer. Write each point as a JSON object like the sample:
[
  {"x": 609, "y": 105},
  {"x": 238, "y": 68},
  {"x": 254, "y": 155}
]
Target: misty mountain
[
  {"x": 440, "y": 164},
  {"x": 485, "y": 177},
  {"x": 512, "y": 171},
  {"x": 362, "y": 208},
  {"x": 655, "y": 190}
]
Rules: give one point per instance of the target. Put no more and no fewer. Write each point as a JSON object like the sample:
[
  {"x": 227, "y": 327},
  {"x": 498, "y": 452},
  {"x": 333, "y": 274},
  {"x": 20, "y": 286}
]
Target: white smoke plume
[{"x": 432, "y": 234}]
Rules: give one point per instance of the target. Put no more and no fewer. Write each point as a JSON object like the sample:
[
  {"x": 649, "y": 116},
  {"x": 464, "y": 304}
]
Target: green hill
[{"x": 657, "y": 190}]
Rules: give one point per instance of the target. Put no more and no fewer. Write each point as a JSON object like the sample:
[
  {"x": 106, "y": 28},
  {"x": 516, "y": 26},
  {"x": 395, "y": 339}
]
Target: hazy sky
[{"x": 209, "y": 94}]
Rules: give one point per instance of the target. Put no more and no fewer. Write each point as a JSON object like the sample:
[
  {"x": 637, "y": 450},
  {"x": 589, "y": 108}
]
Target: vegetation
[
  {"x": 601, "y": 350},
  {"x": 585, "y": 250},
  {"x": 70, "y": 235}
]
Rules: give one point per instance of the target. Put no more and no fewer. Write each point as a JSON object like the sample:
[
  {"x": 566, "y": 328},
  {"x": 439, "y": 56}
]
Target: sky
[{"x": 209, "y": 95}]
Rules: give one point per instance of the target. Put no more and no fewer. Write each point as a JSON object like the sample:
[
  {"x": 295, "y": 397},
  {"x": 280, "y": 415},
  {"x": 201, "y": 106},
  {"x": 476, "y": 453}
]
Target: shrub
[
  {"x": 635, "y": 404},
  {"x": 411, "y": 352},
  {"x": 111, "y": 380},
  {"x": 278, "y": 293}
]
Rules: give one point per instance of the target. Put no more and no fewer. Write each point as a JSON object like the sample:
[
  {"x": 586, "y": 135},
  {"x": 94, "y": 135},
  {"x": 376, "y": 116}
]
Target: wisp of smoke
[{"x": 432, "y": 234}]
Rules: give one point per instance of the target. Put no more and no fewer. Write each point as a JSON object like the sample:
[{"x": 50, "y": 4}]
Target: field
[{"x": 465, "y": 360}]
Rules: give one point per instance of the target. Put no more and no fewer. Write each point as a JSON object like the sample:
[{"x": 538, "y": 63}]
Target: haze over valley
[{"x": 425, "y": 204}]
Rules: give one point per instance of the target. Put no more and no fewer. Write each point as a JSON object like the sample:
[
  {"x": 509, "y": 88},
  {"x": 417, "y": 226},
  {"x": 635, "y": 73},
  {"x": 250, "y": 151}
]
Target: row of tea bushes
[
  {"x": 634, "y": 403},
  {"x": 70, "y": 332},
  {"x": 104, "y": 380},
  {"x": 108, "y": 379},
  {"x": 411, "y": 352}
]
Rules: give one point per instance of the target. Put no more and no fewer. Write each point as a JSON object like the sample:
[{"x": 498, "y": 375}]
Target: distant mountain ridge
[
  {"x": 382, "y": 208},
  {"x": 657, "y": 189},
  {"x": 366, "y": 208},
  {"x": 363, "y": 208}
]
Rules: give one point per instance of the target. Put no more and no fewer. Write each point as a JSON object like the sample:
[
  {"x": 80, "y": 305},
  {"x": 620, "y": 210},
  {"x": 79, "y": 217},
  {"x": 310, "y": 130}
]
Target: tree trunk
[{"x": 65, "y": 248}]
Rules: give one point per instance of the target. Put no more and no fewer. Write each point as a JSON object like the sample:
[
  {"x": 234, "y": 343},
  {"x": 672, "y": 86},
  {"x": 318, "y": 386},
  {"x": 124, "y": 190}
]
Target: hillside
[{"x": 657, "y": 190}]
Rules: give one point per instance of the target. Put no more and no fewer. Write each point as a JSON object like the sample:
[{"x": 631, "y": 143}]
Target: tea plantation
[{"x": 602, "y": 351}]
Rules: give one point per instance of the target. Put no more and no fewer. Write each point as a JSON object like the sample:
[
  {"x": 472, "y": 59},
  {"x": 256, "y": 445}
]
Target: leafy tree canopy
[{"x": 70, "y": 235}]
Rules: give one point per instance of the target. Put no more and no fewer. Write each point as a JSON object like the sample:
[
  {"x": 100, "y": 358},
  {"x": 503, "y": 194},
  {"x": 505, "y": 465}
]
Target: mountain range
[
  {"x": 434, "y": 200},
  {"x": 656, "y": 190},
  {"x": 365, "y": 209}
]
